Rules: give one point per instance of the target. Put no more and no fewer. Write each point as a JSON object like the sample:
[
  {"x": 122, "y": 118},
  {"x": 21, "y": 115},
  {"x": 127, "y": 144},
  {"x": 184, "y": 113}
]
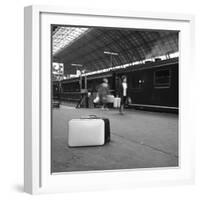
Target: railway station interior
[{"x": 145, "y": 135}]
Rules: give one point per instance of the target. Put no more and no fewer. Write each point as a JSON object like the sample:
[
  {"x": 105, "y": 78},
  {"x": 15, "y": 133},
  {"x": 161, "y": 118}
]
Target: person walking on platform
[
  {"x": 103, "y": 91},
  {"x": 123, "y": 88}
]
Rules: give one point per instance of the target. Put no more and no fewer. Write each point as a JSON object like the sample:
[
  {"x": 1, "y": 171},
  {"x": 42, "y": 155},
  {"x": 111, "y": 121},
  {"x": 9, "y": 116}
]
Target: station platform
[{"x": 139, "y": 139}]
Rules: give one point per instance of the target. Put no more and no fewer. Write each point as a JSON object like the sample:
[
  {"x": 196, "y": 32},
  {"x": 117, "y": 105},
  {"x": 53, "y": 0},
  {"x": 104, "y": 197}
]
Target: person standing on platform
[
  {"x": 103, "y": 91},
  {"x": 123, "y": 88}
]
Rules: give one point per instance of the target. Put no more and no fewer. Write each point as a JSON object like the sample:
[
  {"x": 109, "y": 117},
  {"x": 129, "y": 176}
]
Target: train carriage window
[{"x": 162, "y": 78}]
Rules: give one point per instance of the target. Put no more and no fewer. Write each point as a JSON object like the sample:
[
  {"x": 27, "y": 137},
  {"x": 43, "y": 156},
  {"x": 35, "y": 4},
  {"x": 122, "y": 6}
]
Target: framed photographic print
[{"x": 106, "y": 99}]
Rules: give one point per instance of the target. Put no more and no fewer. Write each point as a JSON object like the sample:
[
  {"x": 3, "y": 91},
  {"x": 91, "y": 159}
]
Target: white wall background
[{"x": 11, "y": 101}]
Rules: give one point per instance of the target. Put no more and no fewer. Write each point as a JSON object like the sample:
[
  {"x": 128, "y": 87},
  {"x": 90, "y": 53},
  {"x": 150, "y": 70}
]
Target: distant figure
[
  {"x": 123, "y": 88},
  {"x": 103, "y": 91}
]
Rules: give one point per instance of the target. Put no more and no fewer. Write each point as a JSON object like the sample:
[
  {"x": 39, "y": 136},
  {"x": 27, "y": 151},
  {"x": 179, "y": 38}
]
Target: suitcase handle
[
  {"x": 89, "y": 117},
  {"x": 92, "y": 116}
]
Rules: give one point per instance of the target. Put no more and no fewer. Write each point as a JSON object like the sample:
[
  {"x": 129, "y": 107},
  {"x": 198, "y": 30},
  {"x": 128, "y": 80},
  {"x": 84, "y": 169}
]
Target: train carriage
[{"x": 152, "y": 85}]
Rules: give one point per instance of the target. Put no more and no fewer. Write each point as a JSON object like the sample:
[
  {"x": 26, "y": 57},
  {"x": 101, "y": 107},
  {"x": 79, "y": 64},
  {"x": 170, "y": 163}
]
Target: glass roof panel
[{"x": 65, "y": 36}]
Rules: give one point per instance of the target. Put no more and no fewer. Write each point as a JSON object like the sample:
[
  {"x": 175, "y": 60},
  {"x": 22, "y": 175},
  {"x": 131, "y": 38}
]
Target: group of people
[{"x": 104, "y": 91}]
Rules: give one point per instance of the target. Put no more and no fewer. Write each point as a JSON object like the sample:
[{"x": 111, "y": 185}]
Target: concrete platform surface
[{"x": 139, "y": 139}]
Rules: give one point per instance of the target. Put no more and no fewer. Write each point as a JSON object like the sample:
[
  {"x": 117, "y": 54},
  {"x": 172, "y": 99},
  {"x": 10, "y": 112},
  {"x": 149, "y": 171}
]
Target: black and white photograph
[{"x": 114, "y": 98}]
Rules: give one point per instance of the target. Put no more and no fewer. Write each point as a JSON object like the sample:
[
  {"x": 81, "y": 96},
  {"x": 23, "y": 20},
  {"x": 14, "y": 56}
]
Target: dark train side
[{"x": 151, "y": 86}]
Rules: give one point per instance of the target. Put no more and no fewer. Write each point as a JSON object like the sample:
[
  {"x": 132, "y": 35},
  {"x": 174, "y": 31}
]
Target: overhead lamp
[
  {"x": 111, "y": 53},
  {"x": 77, "y": 65}
]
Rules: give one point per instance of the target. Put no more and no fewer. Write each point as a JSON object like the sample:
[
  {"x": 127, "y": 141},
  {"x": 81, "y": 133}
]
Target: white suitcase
[
  {"x": 86, "y": 132},
  {"x": 110, "y": 98},
  {"x": 116, "y": 103}
]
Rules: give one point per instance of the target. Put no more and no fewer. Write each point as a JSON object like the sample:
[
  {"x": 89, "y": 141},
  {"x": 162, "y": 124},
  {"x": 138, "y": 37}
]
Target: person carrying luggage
[
  {"x": 123, "y": 90},
  {"x": 103, "y": 91}
]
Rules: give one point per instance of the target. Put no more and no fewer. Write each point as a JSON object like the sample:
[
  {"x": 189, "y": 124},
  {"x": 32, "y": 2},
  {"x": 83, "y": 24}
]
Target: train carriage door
[
  {"x": 113, "y": 83},
  {"x": 117, "y": 84}
]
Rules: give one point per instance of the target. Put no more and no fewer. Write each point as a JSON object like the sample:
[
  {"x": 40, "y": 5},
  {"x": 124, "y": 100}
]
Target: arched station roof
[{"x": 88, "y": 46}]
